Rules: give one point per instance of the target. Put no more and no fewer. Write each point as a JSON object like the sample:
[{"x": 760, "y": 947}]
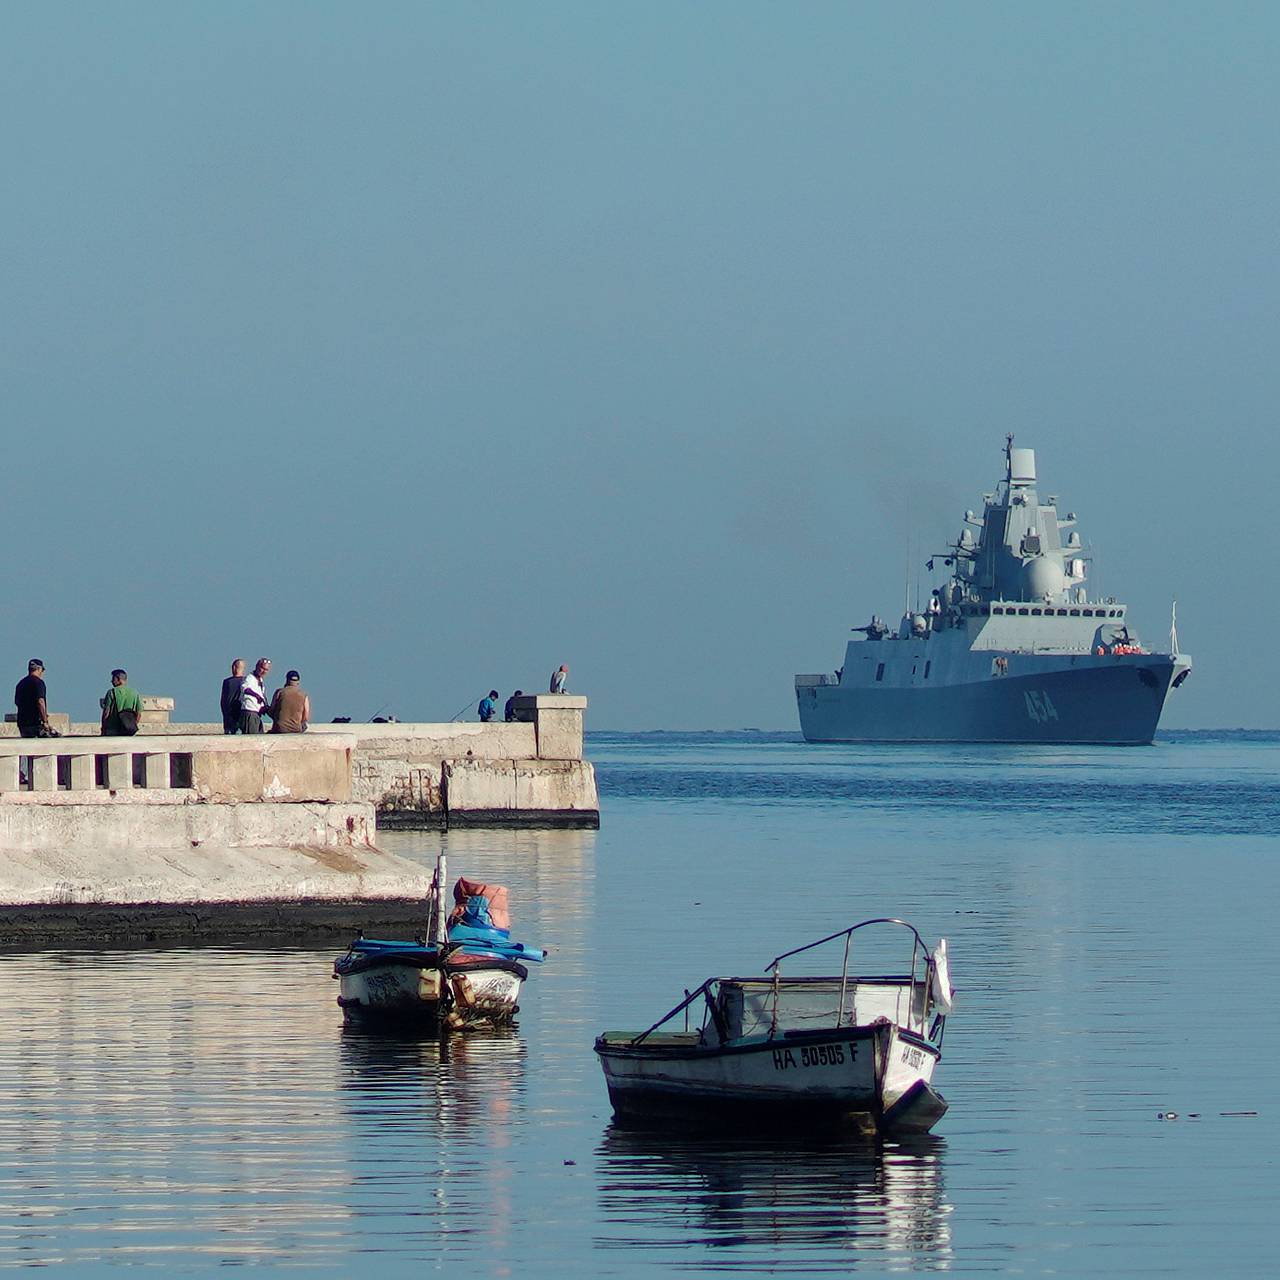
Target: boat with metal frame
[{"x": 830, "y": 1049}]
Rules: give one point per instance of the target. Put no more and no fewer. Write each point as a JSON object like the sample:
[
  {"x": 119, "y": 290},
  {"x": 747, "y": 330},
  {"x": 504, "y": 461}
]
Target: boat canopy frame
[{"x": 916, "y": 976}]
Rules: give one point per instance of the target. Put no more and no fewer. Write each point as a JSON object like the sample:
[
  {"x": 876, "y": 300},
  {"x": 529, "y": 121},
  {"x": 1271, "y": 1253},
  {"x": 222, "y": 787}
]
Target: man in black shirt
[
  {"x": 231, "y": 687},
  {"x": 29, "y": 697}
]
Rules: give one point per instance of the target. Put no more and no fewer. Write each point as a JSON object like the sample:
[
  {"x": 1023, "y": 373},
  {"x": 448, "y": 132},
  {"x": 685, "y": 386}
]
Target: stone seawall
[
  {"x": 169, "y": 836},
  {"x": 529, "y": 772}
]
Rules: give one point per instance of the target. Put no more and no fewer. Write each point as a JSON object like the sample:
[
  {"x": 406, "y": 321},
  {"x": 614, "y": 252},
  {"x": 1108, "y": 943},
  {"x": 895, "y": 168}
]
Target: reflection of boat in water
[
  {"x": 469, "y": 974},
  {"x": 822, "y": 1049},
  {"x": 788, "y": 1195}
]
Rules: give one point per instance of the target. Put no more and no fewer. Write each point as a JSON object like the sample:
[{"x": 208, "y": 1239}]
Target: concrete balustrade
[
  {"x": 222, "y": 770},
  {"x": 529, "y": 771}
]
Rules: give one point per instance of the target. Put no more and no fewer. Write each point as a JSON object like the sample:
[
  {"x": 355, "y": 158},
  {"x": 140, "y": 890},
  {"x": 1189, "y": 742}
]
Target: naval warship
[{"x": 1010, "y": 649}]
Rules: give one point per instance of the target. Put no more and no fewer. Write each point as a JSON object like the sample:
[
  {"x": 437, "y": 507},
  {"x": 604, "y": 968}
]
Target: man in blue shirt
[{"x": 488, "y": 706}]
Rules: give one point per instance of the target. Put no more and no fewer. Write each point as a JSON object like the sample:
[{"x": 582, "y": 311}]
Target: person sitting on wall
[
  {"x": 560, "y": 679},
  {"x": 488, "y": 706},
  {"x": 291, "y": 707},
  {"x": 253, "y": 698},
  {"x": 121, "y": 708},
  {"x": 509, "y": 711}
]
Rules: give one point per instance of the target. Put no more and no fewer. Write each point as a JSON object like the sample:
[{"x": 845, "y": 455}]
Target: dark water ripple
[{"x": 1228, "y": 808}]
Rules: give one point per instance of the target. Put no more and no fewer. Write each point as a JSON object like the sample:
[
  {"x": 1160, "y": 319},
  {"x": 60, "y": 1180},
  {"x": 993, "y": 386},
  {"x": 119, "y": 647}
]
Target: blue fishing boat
[{"x": 468, "y": 974}]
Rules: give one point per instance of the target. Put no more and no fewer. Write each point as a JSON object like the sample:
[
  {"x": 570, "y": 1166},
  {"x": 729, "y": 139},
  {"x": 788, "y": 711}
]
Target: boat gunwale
[{"x": 788, "y": 1039}]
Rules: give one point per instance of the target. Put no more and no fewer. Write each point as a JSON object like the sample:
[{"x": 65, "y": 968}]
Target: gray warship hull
[
  {"x": 1011, "y": 649},
  {"x": 1106, "y": 701}
]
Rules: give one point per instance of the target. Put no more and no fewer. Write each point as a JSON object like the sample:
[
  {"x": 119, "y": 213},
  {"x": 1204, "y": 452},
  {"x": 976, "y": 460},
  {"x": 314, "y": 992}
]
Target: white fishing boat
[
  {"x": 854, "y": 1049},
  {"x": 469, "y": 973}
]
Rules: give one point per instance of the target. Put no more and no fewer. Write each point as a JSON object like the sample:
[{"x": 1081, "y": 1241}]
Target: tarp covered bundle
[{"x": 480, "y": 906}]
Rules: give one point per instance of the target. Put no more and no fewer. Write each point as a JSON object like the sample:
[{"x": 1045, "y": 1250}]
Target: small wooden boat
[
  {"x": 844, "y": 1049},
  {"x": 469, "y": 974}
]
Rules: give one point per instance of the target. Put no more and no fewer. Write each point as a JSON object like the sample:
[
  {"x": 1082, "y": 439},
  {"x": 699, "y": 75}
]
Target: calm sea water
[{"x": 1112, "y": 922}]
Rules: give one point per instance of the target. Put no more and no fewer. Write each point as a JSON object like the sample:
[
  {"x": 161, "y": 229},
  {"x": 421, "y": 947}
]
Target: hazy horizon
[{"x": 424, "y": 348}]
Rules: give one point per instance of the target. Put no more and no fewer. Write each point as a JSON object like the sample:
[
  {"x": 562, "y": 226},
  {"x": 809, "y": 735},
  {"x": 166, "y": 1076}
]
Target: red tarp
[{"x": 496, "y": 893}]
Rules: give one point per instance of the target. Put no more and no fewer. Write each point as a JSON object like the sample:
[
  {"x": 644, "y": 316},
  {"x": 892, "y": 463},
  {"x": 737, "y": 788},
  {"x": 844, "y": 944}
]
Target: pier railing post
[
  {"x": 119, "y": 773},
  {"x": 44, "y": 773}
]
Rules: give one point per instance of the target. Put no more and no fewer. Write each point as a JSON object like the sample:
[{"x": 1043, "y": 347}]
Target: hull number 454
[{"x": 1040, "y": 706}]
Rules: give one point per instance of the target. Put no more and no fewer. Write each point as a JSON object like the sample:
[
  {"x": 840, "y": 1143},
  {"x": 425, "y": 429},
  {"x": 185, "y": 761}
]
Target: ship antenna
[
  {"x": 1173, "y": 630},
  {"x": 1008, "y": 456}
]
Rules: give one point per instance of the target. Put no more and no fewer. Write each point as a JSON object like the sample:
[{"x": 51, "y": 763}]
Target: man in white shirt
[{"x": 253, "y": 698}]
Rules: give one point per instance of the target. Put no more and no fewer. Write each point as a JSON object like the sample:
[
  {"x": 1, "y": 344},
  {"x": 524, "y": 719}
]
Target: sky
[{"x": 425, "y": 347}]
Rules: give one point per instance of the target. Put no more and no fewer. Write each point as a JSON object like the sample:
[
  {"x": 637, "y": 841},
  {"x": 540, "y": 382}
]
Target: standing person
[
  {"x": 560, "y": 679},
  {"x": 231, "y": 687},
  {"x": 29, "y": 696},
  {"x": 509, "y": 711},
  {"x": 291, "y": 707},
  {"x": 488, "y": 706},
  {"x": 253, "y": 699},
  {"x": 121, "y": 708}
]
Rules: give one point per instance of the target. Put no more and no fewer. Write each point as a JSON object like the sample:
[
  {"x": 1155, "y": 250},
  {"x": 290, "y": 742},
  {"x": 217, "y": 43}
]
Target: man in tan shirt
[{"x": 291, "y": 707}]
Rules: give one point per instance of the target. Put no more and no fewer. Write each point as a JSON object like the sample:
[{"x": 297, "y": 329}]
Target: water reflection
[
  {"x": 811, "y": 1203},
  {"x": 432, "y": 1120},
  {"x": 451, "y": 1080}
]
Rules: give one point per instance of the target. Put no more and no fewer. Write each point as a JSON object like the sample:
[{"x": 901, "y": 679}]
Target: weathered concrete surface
[
  {"x": 206, "y": 893},
  {"x": 224, "y": 770},
  {"x": 289, "y": 766},
  {"x": 558, "y": 719},
  {"x": 521, "y": 793},
  {"x": 58, "y": 719},
  {"x": 528, "y": 772},
  {"x": 98, "y": 824},
  {"x": 206, "y": 874},
  {"x": 490, "y": 741}
]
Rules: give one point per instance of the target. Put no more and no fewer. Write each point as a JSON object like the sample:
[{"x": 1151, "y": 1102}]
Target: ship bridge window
[
  {"x": 880, "y": 671},
  {"x": 997, "y": 608},
  {"x": 1035, "y": 613},
  {"x": 1088, "y": 613},
  {"x": 1075, "y": 613},
  {"x": 927, "y": 665},
  {"x": 1062, "y": 613},
  {"x": 1022, "y": 613}
]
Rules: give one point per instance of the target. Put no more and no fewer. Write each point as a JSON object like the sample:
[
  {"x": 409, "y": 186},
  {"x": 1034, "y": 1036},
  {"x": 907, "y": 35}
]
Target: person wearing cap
[
  {"x": 488, "y": 706},
  {"x": 29, "y": 696},
  {"x": 253, "y": 698},
  {"x": 291, "y": 707}
]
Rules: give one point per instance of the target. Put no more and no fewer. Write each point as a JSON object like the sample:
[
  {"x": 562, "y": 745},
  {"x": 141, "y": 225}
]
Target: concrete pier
[
  {"x": 183, "y": 832},
  {"x": 147, "y": 837}
]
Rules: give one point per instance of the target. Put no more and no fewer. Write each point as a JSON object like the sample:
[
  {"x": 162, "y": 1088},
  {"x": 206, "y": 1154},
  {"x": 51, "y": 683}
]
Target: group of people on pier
[
  {"x": 121, "y": 705},
  {"x": 488, "y": 707},
  {"x": 245, "y": 703}
]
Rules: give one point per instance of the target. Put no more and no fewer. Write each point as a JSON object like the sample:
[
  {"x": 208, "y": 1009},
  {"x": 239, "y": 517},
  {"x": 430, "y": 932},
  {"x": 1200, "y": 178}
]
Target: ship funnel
[{"x": 1022, "y": 466}]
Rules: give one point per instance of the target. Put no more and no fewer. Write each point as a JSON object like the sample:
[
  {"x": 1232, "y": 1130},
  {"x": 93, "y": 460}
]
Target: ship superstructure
[{"x": 1010, "y": 649}]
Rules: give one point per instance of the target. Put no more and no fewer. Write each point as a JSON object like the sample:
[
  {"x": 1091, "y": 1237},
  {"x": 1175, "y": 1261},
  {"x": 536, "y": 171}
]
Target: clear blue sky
[{"x": 426, "y": 347}]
